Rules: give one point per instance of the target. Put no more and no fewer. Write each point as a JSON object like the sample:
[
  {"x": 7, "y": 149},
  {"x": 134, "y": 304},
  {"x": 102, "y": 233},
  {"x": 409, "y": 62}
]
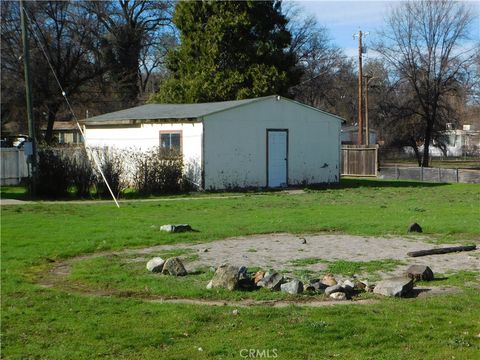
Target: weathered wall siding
[
  {"x": 236, "y": 144},
  {"x": 13, "y": 166},
  {"x": 431, "y": 174},
  {"x": 147, "y": 136}
]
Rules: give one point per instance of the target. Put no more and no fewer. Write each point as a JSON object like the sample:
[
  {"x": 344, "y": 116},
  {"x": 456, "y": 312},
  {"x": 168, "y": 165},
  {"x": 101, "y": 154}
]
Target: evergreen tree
[{"x": 229, "y": 50}]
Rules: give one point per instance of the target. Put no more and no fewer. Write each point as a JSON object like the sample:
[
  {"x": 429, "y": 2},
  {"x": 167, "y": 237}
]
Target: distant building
[
  {"x": 66, "y": 132},
  {"x": 349, "y": 135},
  {"x": 465, "y": 142}
]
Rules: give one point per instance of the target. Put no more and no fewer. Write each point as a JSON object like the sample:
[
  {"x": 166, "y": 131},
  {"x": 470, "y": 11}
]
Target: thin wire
[{"x": 64, "y": 94}]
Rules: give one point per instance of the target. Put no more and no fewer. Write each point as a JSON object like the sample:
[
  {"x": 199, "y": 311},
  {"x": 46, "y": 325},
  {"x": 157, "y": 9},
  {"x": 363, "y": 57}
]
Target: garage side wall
[
  {"x": 235, "y": 144},
  {"x": 146, "y": 136}
]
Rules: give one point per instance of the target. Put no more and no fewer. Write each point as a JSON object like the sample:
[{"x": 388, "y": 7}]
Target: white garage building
[{"x": 264, "y": 142}]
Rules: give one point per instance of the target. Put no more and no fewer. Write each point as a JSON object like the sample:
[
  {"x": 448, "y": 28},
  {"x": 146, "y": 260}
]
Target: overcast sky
[{"x": 344, "y": 18}]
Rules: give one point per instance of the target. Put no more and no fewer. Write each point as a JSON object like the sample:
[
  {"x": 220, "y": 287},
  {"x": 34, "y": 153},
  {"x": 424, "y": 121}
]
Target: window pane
[
  {"x": 165, "y": 141},
  {"x": 170, "y": 141},
  {"x": 175, "y": 141}
]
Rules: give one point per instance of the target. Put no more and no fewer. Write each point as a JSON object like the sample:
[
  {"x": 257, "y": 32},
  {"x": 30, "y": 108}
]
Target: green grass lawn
[{"x": 55, "y": 323}]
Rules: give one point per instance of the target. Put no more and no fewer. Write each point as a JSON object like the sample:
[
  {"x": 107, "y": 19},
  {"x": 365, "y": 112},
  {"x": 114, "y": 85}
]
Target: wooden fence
[
  {"x": 14, "y": 166},
  {"x": 431, "y": 174},
  {"x": 359, "y": 160}
]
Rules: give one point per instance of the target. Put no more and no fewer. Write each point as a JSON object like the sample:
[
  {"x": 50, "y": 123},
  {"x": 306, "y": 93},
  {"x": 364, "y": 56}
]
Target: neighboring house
[
  {"x": 265, "y": 142},
  {"x": 350, "y": 135},
  {"x": 464, "y": 142},
  {"x": 66, "y": 132}
]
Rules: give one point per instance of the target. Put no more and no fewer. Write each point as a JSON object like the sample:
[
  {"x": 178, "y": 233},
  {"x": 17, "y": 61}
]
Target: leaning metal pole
[
  {"x": 28, "y": 96},
  {"x": 360, "y": 91}
]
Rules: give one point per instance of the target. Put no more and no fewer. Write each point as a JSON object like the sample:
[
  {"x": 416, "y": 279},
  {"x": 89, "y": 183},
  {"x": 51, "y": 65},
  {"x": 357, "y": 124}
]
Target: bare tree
[
  {"x": 62, "y": 34},
  {"x": 422, "y": 42},
  {"x": 328, "y": 75},
  {"x": 136, "y": 37},
  {"x": 153, "y": 61}
]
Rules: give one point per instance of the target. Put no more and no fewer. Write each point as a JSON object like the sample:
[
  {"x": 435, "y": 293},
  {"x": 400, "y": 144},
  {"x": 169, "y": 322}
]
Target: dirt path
[
  {"x": 14, "y": 202},
  {"x": 276, "y": 251},
  {"x": 124, "y": 201}
]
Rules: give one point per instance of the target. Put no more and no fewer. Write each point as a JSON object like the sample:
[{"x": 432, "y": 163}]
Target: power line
[
  {"x": 28, "y": 96},
  {"x": 64, "y": 94}
]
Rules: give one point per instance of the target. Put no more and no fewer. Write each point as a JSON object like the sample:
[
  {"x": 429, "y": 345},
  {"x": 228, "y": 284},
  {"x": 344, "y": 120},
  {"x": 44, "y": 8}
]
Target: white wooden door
[{"x": 277, "y": 165}]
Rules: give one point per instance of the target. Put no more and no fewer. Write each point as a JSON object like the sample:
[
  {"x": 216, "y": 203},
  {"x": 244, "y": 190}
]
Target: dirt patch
[{"x": 277, "y": 251}]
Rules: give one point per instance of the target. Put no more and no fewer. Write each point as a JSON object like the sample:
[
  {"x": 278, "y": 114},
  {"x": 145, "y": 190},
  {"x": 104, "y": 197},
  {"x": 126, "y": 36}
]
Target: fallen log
[{"x": 445, "y": 250}]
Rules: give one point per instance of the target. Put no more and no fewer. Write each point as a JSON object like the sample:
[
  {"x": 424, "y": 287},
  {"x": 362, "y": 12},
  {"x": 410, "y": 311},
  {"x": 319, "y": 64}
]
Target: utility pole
[
  {"x": 28, "y": 96},
  {"x": 360, "y": 86},
  {"x": 368, "y": 78}
]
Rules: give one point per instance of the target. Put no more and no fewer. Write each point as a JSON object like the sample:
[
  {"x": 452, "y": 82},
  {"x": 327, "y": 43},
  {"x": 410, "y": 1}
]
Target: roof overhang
[{"x": 137, "y": 122}]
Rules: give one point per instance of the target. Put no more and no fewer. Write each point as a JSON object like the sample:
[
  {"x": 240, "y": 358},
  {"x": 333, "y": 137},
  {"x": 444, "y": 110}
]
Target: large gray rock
[
  {"x": 318, "y": 284},
  {"x": 226, "y": 276},
  {"x": 242, "y": 273},
  {"x": 333, "y": 289},
  {"x": 259, "y": 275},
  {"x": 155, "y": 265},
  {"x": 361, "y": 285},
  {"x": 399, "y": 286},
  {"x": 176, "y": 228},
  {"x": 293, "y": 287},
  {"x": 272, "y": 281},
  {"x": 315, "y": 286},
  {"x": 419, "y": 272},
  {"x": 329, "y": 280},
  {"x": 245, "y": 281},
  {"x": 348, "y": 286},
  {"x": 338, "y": 296},
  {"x": 174, "y": 266}
]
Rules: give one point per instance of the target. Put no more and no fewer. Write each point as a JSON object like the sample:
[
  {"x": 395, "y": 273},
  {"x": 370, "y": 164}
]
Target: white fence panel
[{"x": 14, "y": 166}]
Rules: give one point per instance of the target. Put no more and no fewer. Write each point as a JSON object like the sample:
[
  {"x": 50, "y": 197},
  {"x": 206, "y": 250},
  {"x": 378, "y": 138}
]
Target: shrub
[
  {"x": 157, "y": 174},
  {"x": 81, "y": 171},
  {"x": 112, "y": 164},
  {"x": 53, "y": 178},
  {"x": 60, "y": 169}
]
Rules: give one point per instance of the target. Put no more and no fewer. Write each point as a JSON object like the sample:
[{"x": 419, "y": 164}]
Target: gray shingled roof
[{"x": 166, "y": 112}]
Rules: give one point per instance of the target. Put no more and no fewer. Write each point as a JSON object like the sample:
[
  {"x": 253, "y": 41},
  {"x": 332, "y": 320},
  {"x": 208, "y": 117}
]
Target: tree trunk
[
  {"x": 52, "y": 114},
  {"x": 413, "y": 144},
  {"x": 426, "y": 145}
]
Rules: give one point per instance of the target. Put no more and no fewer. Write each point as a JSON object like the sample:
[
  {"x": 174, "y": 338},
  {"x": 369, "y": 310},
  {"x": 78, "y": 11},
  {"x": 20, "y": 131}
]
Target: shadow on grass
[
  {"x": 356, "y": 183},
  {"x": 21, "y": 192},
  {"x": 14, "y": 192}
]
